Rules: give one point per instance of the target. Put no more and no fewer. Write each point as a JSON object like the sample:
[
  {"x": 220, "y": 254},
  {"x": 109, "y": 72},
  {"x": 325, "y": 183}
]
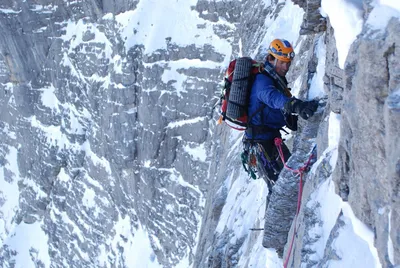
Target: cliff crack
[{"x": 389, "y": 52}]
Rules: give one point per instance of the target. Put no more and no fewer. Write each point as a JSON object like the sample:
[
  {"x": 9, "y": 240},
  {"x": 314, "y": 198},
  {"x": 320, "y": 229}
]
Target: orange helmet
[{"x": 282, "y": 50}]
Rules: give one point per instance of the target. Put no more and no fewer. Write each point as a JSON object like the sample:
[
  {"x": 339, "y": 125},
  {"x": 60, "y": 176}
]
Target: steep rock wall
[
  {"x": 365, "y": 94},
  {"x": 368, "y": 169},
  {"x": 93, "y": 153}
]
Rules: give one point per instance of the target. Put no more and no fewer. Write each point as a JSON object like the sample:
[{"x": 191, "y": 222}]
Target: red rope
[{"x": 300, "y": 171}]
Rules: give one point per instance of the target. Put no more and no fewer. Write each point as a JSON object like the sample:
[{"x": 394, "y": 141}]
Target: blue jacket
[{"x": 264, "y": 93}]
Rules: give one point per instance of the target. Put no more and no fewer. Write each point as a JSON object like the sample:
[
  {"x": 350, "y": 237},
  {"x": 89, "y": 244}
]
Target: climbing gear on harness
[
  {"x": 259, "y": 164},
  {"x": 249, "y": 161},
  {"x": 267, "y": 161}
]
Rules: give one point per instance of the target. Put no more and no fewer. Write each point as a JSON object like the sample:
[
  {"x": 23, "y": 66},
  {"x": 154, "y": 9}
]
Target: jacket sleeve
[{"x": 268, "y": 94}]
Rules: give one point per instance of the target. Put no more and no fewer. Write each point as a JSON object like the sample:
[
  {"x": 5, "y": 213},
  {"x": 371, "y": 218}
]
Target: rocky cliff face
[
  {"x": 97, "y": 136},
  {"x": 108, "y": 134},
  {"x": 370, "y": 181}
]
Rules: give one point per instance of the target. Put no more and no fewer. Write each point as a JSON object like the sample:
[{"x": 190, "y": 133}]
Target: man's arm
[
  {"x": 271, "y": 96},
  {"x": 268, "y": 93}
]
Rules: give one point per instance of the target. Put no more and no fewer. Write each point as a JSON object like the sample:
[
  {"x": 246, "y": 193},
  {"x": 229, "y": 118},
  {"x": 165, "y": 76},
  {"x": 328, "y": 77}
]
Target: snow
[
  {"x": 118, "y": 64},
  {"x": 136, "y": 243},
  {"x": 327, "y": 205},
  {"x": 63, "y": 176},
  {"x": 6, "y": 129},
  {"x": 244, "y": 209},
  {"x": 296, "y": 86},
  {"x": 324, "y": 201},
  {"x": 317, "y": 83},
  {"x": 74, "y": 35},
  {"x": 55, "y": 136},
  {"x": 9, "y": 192},
  {"x": 245, "y": 204},
  {"x": 149, "y": 25},
  {"x": 390, "y": 241},
  {"x": 9, "y": 11},
  {"x": 391, "y": 3},
  {"x": 177, "y": 177},
  {"x": 237, "y": 204},
  {"x": 44, "y": 9},
  {"x": 30, "y": 243},
  {"x": 286, "y": 25},
  {"x": 333, "y": 136},
  {"x": 365, "y": 233},
  {"x": 346, "y": 18},
  {"x": 32, "y": 184},
  {"x": 98, "y": 161},
  {"x": 383, "y": 11},
  {"x": 88, "y": 199},
  {"x": 172, "y": 74},
  {"x": 354, "y": 243},
  {"x": 49, "y": 99},
  {"x": 180, "y": 123},
  {"x": 147, "y": 163},
  {"x": 196, "y": 152},
  {"x": 61, "y": 217}
]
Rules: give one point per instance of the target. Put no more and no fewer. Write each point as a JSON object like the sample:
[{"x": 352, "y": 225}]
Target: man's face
[{"x": 281, "y": 67}]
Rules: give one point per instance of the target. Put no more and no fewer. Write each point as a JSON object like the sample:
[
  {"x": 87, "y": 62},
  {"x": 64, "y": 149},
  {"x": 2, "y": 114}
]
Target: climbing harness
[
  {"x": 255, "y": 161},
  {"x": 300, "y": 171},
  {"x": 249, "y": 161}
]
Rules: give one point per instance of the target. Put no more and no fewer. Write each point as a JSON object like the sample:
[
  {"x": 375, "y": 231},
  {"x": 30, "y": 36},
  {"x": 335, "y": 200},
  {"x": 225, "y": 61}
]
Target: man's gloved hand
[{"x": 305, "y": 109}]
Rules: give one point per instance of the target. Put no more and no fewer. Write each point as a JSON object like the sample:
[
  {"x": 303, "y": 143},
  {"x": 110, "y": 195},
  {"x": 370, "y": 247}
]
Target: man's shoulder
[{"x": 263, "y": 80}]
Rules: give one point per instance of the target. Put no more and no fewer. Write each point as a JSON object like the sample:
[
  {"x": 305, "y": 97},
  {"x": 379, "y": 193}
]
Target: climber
[{"x": 271, "y": 107}]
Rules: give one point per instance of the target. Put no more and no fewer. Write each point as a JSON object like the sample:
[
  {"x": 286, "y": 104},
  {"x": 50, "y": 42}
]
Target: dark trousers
[{"x": 273, "y": 166}]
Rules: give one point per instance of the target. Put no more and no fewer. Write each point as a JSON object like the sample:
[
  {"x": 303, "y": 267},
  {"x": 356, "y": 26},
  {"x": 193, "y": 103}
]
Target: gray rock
[
  {"x": 334, "y": 75},
  {"x": 368, "y": 120},
  {"x": 313, "y": 22},
  {"x": 106, "y": 125},
  {"x": 281, "y": 210}
]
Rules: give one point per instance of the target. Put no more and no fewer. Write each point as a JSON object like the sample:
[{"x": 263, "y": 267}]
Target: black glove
[{"x": 305, "y": 109}]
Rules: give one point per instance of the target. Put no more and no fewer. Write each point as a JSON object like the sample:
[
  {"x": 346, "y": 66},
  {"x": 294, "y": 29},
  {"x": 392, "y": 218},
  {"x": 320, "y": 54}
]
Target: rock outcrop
[
  {"x": 93, "y": 152},
  {"x": 365, "y": 94},
  {"x": 367, "y": 174}
]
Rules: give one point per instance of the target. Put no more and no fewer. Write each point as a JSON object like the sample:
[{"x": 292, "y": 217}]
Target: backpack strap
[{"x": 280, "y": 82}]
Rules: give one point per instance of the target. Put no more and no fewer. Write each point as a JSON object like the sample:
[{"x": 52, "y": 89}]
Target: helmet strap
[{"x": 275, "y": 61}]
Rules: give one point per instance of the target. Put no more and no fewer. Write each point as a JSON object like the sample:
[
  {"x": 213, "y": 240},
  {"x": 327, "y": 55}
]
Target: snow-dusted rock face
[
  {"x": 368, "y": 171},
  {"x": 111, "y": 156},
  {"x": 103, "y": 135}
]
